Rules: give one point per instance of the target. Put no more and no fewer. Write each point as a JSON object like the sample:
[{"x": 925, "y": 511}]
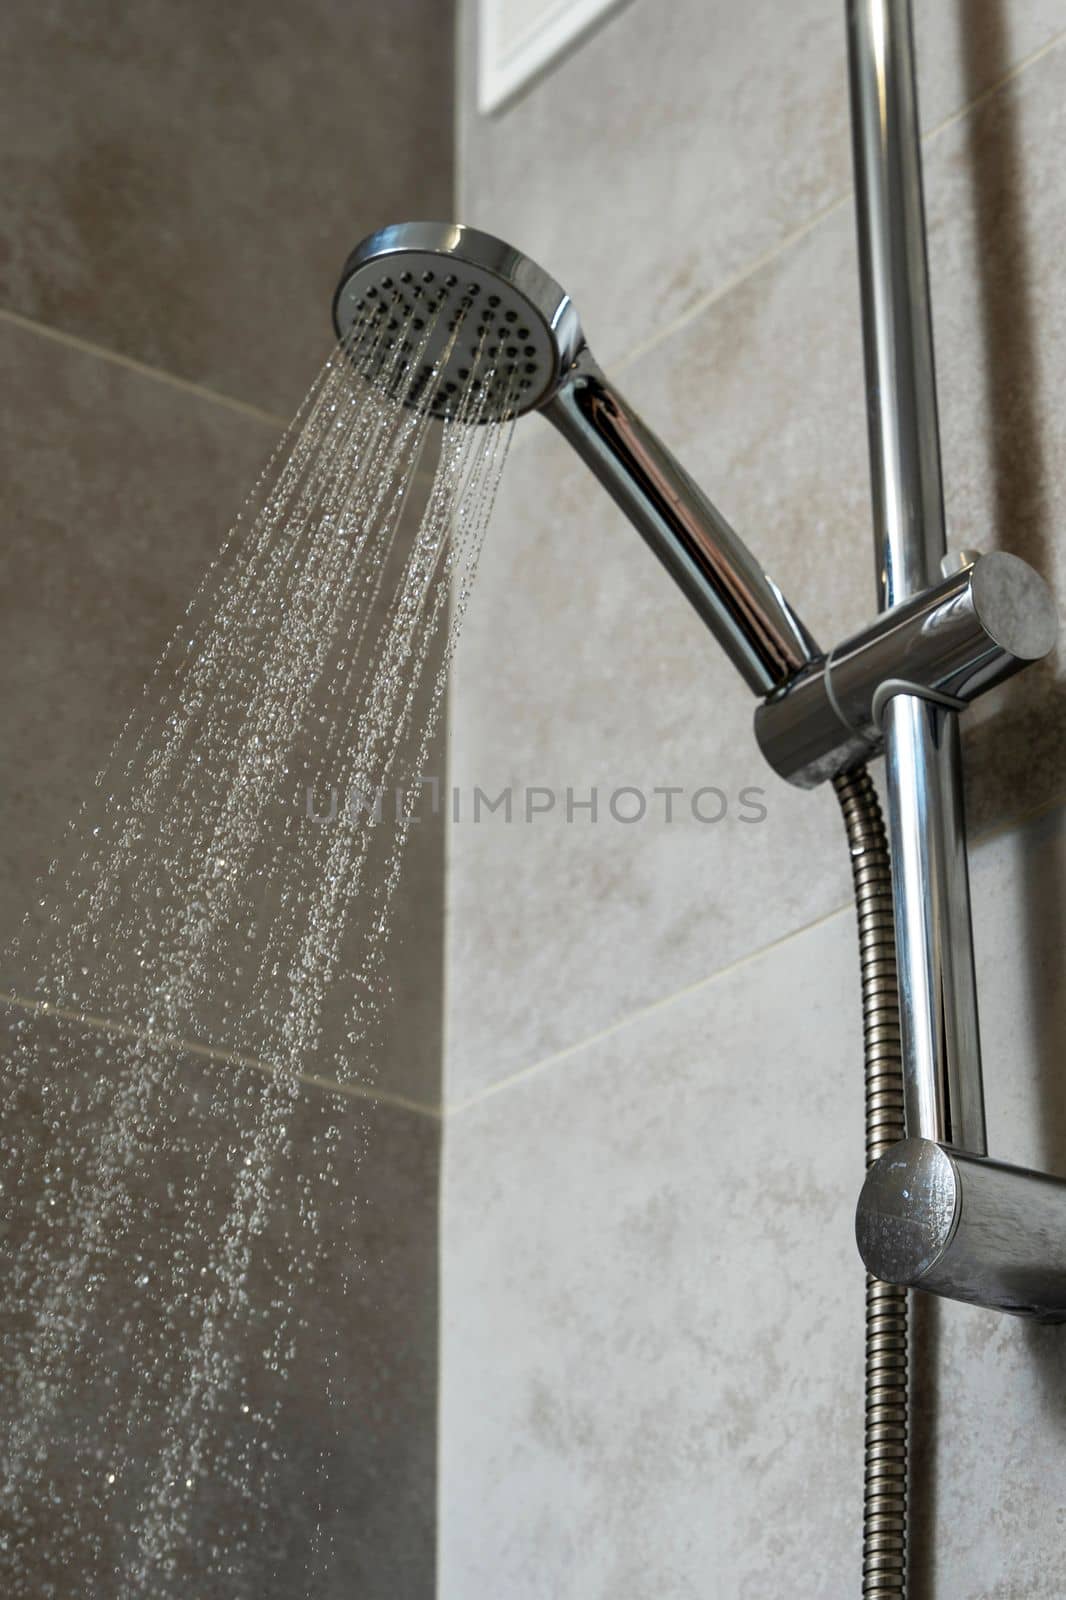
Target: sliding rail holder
[
  {"x": 949, "y": 644},
  {"x": 932, "y": 1216},
  {"x": 935, "y": 1213}
]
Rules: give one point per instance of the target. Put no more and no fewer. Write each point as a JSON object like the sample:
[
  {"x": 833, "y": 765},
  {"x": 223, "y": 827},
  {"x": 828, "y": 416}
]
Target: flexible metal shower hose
[{"x": 884, "y": 1530}]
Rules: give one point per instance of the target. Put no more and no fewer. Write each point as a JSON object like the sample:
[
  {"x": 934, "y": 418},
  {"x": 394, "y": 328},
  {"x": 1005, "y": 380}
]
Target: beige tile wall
[
  {"x": 652, "y": 1306},
  {"x": 686, "y": 175},
  {"x": 182, "y": 185},
  {"x": 580, "y": 664}
]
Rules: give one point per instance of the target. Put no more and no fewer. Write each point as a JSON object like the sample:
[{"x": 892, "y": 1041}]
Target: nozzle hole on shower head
[
  {"x": 499, "y": 376},
  {"x": 404, "y": 268}
]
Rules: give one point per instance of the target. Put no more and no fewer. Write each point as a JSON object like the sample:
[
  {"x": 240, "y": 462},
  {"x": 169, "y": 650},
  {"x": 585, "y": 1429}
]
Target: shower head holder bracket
[{"x": 949, "y": 644}]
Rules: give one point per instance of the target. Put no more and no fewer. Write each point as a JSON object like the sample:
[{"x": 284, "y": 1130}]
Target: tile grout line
[
  {"x": 994, "y": 88},
  {"x": 123, "y": 1030},
  {"x": 750, "y": 269},
  {"x": 128, "y": 363},
  {"x": 632, "y": 1017},
  {"x": 988, "y": 836}
]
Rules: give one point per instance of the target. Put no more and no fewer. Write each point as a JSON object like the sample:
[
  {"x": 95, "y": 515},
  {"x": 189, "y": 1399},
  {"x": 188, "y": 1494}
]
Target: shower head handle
[
  {"x": 498, "y": 325},
  {"x": 742, "y": 606}
]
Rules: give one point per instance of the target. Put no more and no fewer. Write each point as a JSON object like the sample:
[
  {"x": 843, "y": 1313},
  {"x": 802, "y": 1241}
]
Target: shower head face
[{"x": 501, "y": 333}]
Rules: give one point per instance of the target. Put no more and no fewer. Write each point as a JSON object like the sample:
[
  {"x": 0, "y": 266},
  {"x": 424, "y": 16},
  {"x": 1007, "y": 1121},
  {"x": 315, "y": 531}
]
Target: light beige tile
[
  {"x": 183, "y": 184},
  {"x": 652, "y": 1303},
  {"x": 683, "y": 141},
  {"x": 993, "y": 1524},
  {"x": 582, "y": 664}
]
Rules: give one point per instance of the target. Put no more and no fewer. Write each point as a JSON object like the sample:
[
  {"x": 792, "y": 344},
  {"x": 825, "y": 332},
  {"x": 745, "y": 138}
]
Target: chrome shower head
[
  {"x": 489, "y": 334},
  {"x": 489, "y": 308}
]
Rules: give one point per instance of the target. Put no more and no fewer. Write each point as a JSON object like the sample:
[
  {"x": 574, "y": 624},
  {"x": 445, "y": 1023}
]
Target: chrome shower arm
[{"x": 742, "y": 606}]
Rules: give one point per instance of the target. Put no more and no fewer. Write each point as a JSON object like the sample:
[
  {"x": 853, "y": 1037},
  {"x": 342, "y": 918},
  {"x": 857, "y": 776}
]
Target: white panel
[{"x": 518, "y": 38}]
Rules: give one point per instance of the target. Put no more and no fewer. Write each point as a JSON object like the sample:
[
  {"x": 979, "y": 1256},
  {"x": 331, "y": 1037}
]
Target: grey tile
[
  {"x": 581, "y": 664},
  {"x": 681, "y": 142},
  {"x": 120, "y": 490},
  {"x": 652, "y": 1304},
  {"x": 316, "y": 1469},
  {"x": 183, "y": 184}
]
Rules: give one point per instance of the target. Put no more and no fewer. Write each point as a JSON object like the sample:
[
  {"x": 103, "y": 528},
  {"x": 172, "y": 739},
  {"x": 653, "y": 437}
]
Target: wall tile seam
[
  {"x": 197, "y": 391},
  {"x": 631, "y": 1018},
  {"x": 204, "y": 1052},
  {"x": 776, "y": 252}
]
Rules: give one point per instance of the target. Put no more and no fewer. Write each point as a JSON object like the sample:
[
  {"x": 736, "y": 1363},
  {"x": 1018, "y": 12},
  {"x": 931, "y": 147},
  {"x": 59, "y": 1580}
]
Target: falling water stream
[{"x": 226, "y": 884}]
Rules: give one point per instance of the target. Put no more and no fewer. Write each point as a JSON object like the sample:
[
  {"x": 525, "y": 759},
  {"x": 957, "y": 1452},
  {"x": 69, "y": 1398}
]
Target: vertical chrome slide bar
[{"x": 934, "y": 938}]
